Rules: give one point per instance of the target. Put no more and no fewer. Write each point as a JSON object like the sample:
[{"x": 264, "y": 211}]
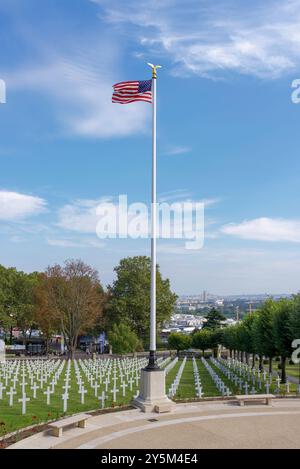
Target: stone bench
[
  {"x": 79, "y": 420},
  {"x": 267, "y": 398}
]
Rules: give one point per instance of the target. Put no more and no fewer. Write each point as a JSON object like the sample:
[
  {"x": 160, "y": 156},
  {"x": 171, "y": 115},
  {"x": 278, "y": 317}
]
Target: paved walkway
[{"x": 198, "y": 425}]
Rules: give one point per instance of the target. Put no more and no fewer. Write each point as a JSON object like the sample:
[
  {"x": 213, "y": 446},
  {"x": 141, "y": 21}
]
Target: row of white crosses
[
  {"x": 231, "y": 375},
  {"x": 174, "y": 386},
  {"x": 16, "y": 375},
  {"x": 197, "y": 380},
  {"x": 163, "y": 363},
  {"x": 104, "y": 373},
  {"x": 261, "y": 378},
  {"x": 170, "y": 366},
  {"x": 35, "y": 378},
  {"x": 249, "y": 373},
  {"x": 219, "y": 383}
]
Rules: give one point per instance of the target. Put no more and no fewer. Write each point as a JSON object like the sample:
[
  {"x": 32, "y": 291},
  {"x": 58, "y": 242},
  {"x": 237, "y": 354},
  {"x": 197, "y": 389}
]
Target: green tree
[
  {"x": 17, "y": 300},
  {"x": 213, "y": 319},
  {"x": 23, "y": 307},
  {"x": 282, "y": 332},
  {"x": 129, "y": 297},
  {"x": 7, "y": 300},
  {"x": 179, "y": 341},
  {"x": 245, "y": 340},
  {"x": 263, "y": 334},
  {"x": 295, "y": 317},
  {"x": 123, "y": 339},
  {"x": 73, "y": 296},
  {"x": 230, "y": 339},
  {"x": 203, "y": 340}
]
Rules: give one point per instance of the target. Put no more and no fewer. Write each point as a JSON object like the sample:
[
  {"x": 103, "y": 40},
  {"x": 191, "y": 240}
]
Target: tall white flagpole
[
  {"x": 152, "y": 396},
  {"x": 152, "y": 355}
]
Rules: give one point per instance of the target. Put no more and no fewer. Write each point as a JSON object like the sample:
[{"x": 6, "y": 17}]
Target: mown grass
[
  {"x": 186, "y": 388},
  {"x": 209, "y": 387},
  {"x": 38, "y": 411}
]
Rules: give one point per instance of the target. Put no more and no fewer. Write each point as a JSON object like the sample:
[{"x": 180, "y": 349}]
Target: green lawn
[
  {"x": 208, "y": 385},
  {"x": 234, "y": 389},
  {"x": 186, "y": 388},
  {"x": 172, "y": 375},
  {"x": 38, "y": 411}
]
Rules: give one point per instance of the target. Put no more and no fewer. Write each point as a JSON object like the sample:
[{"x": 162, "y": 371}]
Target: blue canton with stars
[{"x": 145, "y": 86}]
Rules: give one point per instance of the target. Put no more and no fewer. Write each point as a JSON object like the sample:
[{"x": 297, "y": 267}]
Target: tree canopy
[
  {"x": 123, "y": 339},
  {"x": 213, "y": 319},
  {"x": 129, "y": 301},
  {"x": 73, "y": 295}
]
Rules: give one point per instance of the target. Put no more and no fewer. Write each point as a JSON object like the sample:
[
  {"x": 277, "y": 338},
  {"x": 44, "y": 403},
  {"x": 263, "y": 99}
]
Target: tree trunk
[
  {"x": 270, "y": 365},
  {"x": 283, "y": 370},
  {"x": 247, "y": 358},
  {"x": 260, "y": 362},
  {"x": 203, "y": 352},
  {"x": 72, "y": 352},
  {"x": 47, "y": 346},
  {"x": 253, "y": 360}
]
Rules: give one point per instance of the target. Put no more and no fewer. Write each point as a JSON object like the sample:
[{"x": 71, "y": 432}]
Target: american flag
[{"x": 130, "y": 91}]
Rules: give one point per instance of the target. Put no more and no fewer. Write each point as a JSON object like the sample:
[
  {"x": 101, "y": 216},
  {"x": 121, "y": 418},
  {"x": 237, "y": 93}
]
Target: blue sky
[{"x": 228, "y": 133}]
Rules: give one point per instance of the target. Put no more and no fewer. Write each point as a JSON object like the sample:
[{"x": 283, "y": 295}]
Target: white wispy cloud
[
  {"x": 81, "y": 91},
  {"x": 265, "y": 229},
  {"x": 15, "y": 206},
  {"x": 175, "y": 218},
  {"x": 71, "y": 243},
  {"x": 81, "y": 215},
  {"x": 177, "y": 150},
  {"x": 212, "y": 38}
]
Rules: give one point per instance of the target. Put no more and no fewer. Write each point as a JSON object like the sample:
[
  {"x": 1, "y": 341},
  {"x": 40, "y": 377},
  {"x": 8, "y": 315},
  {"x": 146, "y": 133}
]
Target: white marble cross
[
  {"x": 23, "y": 385},
  {"x": 66, "y": 387},
  {"x": 96, "y": 387},
  {"x": 278, "y": 381},
  {"x": 287, "y": 384},
  {"x": 34, "y": 388},
  {"x": 114, "y": 391},
  {"x": 82, "y": 392},
  {"x": 11, "y": 393},
  {"x": 1, "y": 390},
  {"x": 41, "y": 382},
  {"x": 130, "y": 381},
  {"x": 102, "y": 399},
  {"x": 267, "y": 386},
  {"x": 48, "y": 394},
  {"x": 106, "y": 382},
  {"x": 65, "y": 398},
  {"x": 124, "y": 386},
  {"x": 24, "y": 399}
]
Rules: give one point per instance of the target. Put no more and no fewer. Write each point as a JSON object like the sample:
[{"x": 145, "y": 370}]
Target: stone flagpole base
[{"x": 152, "y": 397}]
